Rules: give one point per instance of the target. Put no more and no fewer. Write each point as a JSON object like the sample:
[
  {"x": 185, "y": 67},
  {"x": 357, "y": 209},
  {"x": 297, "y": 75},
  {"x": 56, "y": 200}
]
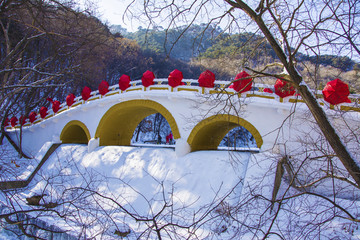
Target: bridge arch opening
[
  {"x": 153, "y": 129},
  {"x": 238, "y": 138},
  {"x": 118, "y": 124},
  {"x": 208, "y": 133},
  {"x": 75, "y": 132}
]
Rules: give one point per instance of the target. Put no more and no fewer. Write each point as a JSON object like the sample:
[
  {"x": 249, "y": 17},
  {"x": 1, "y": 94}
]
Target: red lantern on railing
[
  {"x": 43, "y": 112},
  {"x": 243, "y": 85},
  {"x": 55, "y": 106},
  {"x": 207, "y": 79},
  {"x": 147, "y": 78},
  {"x": 32, "y": 117},
  {"x": 283, "y": 89},
  {"x": 175, "y": 78},
  {"x": 86, "y": 93},
  {"x": 103, "y": 87},
  {"x": 336, "y": 92},
  {"x": 13, "y": 121},
  {"x": 124, "y": 82},
  {"x": 268, "y": 90},
  {"x": 70, "y": 99}
]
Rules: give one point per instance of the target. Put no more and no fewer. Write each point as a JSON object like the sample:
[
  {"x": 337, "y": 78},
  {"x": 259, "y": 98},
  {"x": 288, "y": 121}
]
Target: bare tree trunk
[
  {"x": 2, "y": 138},
  {"x": 17, "y": 148},
  {"x": 318, "y": 113}
]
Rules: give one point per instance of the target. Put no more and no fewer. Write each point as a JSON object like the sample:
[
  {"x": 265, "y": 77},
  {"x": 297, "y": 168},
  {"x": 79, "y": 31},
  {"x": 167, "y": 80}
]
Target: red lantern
[
  {"x": 124, "y": 82},
  {"x": 336, "y": 91},
  {"x": 207, "y": 79},
  {"x": 147, "y": 78},
  {"x": 283, "y": 89},
  {"x": 32, "y": 117},
  {"x": 13, "y": 121},
  {"x": 175, "y": 78},
  {"x": 268, "y": 90},
  {"x": 86, "y": 93},
  {"x": 169, "y": 138},
  {"x": 243, "y": 85},
  {"x": 55, "y": 106},
  {"x": 103, "y": 87},
  {"x": 43, "y": 112},
  {"x": 70, "y": 99}
]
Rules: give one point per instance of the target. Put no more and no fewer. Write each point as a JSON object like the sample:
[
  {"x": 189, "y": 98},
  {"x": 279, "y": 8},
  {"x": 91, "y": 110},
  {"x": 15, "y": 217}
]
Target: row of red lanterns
[{"x": 335, "y": 91}]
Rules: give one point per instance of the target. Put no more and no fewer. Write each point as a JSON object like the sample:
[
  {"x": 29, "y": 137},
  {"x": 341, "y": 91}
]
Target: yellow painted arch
[
  {"x": 75, "y": 132},
  {"x": 208, "y": 133},
  {"x": 118, "y": 124}
]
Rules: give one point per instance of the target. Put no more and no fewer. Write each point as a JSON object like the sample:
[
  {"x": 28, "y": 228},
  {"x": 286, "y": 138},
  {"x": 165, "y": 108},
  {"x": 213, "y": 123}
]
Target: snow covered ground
[{"x": 141, "y": 192}]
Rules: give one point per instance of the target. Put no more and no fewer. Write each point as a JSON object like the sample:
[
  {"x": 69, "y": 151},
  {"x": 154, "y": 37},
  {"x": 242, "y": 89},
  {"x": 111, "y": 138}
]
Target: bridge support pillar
[
  {"x": 182, "y": 147},
  {"x": 93, "y": 143}
]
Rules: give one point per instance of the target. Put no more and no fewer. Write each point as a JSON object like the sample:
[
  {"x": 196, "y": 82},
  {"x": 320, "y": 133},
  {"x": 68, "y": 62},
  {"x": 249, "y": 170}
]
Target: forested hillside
[{"x": 51, "y": 50}]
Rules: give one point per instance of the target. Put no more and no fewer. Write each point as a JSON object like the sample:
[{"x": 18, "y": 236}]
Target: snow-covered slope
[
  {"x": 140, "y": 179},
  {"x": 206, "y": 195}
]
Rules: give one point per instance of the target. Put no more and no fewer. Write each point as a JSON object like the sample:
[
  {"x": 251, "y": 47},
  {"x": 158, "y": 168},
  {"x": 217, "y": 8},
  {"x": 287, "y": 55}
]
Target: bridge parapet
[
  {"x": 192, "y": 85},
  {"x": 199, "y": 117}
]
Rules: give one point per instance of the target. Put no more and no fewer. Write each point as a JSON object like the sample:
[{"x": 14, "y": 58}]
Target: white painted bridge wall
[{"x": 188, "y": 109}]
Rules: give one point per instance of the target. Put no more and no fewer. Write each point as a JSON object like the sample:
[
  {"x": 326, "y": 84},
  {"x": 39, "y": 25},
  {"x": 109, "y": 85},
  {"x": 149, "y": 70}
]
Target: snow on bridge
[{"x": 199, "y": 117}]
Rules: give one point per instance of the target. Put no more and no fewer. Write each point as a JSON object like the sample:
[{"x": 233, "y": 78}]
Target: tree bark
[{"x": 316, "y": 110}]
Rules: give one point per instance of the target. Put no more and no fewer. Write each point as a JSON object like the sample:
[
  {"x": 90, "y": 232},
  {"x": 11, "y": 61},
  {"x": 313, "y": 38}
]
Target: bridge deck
[{"x": 192, "y": 86}]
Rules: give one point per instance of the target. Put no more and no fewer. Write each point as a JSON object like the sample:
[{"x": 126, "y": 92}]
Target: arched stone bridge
[{"x": 199, "y": 117}]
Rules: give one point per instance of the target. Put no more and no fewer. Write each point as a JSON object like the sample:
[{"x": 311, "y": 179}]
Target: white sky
[{"x": 112, "y": 11}]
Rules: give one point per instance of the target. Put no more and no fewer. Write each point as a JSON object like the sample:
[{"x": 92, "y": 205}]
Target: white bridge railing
[{"x": 191, "y": 85}]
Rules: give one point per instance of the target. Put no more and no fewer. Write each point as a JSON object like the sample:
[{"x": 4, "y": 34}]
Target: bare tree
[
  {"x": 47, "y": 49},
  {"x": 313, "y": 171},
  {"x": 289, "y": 27}
]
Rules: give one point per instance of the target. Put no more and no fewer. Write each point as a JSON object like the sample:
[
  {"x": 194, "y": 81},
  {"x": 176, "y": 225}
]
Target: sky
[{"x": 112, "y": 11}]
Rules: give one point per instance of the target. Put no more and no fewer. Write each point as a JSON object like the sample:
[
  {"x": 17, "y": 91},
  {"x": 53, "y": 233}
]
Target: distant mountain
[
  {"x": 183, "y": 43},
  {"x": 186, "y": 43}
]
